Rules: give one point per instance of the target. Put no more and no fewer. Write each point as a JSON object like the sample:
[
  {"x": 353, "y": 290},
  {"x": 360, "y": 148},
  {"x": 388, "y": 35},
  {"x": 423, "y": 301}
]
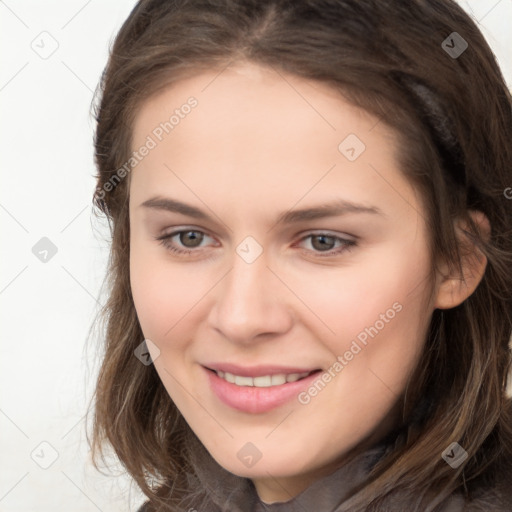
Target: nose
[{"x": 250, "y": 303}]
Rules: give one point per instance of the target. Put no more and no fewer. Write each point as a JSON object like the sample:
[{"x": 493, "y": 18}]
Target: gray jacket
[{"x": 221, "y": 491}]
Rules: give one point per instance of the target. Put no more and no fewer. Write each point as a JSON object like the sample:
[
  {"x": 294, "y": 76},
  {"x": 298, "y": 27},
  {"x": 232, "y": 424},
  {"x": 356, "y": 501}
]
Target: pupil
[{"x": 191, "y": 236}]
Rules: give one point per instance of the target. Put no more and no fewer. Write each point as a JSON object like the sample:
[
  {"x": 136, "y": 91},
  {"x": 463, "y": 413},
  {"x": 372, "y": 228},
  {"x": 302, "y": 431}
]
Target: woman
[{"x": 310, "y": 288}]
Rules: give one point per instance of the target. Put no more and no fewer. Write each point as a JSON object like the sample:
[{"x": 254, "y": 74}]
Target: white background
[{"x": 48, "y": 362}]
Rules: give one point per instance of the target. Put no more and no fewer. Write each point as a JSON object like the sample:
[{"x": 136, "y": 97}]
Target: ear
[{"x": 453, "y": 288}]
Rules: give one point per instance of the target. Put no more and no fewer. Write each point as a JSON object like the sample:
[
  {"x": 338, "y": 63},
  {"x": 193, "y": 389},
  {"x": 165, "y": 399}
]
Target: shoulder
[
  {"x": 498, "y": 499},
  {"x": 495, "y": 499}
]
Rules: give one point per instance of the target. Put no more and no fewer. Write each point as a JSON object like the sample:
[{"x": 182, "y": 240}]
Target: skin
[{"x": 260, "y": 143}]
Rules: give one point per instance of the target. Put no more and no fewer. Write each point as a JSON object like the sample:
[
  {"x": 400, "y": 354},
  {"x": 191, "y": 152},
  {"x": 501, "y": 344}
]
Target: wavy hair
[{"x": 453, "y": 117}]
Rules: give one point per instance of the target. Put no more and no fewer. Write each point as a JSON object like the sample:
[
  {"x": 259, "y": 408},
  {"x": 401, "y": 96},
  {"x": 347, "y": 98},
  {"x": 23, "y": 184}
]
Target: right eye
[{"x": 184, "y": 241}]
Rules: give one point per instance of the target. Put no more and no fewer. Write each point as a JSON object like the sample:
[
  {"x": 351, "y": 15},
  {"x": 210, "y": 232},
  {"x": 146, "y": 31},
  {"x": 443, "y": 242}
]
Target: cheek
[
  {"x": 350, "y": 299},
  {"x": 377, "y": 319},
  {"x": 162, "y": 293}
]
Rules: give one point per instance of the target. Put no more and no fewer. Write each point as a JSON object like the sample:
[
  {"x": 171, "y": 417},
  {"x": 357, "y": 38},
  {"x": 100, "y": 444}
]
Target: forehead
[
  {"x": 241, "y": 96},
  {"x": 254, "y": 131}
]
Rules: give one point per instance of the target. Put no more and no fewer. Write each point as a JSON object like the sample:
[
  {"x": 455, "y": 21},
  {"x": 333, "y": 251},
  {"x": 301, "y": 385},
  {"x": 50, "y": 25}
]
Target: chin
[{"x": 277, "y": 467}]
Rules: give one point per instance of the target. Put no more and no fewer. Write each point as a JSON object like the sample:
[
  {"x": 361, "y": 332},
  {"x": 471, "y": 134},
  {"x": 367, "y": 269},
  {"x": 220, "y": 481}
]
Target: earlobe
[{"x": 453, "y": 289}]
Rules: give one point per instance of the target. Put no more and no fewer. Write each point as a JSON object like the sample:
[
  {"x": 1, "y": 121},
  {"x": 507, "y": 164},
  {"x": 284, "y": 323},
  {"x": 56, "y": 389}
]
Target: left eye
[{"x": 328, "y": 244}]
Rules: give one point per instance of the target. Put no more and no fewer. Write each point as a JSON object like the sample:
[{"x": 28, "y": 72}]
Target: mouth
[
  {"x": 263, "y": 381},
  {"x": 260, "y": 393}
]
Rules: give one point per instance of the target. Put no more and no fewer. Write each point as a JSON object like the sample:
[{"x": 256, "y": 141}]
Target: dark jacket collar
[
  {"x": 213, "y": 489},
  {"x": 231, "y": 493}
]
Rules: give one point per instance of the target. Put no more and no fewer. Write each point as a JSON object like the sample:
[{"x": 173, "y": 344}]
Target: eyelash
[{"x": 347, "y": 245}]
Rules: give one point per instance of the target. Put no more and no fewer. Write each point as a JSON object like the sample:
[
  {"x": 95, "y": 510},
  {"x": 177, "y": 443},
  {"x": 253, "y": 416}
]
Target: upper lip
[{"x": 257, "y": 371}]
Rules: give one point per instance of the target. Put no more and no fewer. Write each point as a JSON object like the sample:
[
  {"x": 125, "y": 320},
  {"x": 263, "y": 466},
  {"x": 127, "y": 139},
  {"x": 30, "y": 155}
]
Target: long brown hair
[{"x": 453, "y": 116}]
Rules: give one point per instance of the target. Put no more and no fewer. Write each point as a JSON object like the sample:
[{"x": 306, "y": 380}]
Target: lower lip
[{"x": 257, "y": 400}]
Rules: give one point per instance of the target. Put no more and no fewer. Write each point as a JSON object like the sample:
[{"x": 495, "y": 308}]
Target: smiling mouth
[{"x": 264, "y": 381}]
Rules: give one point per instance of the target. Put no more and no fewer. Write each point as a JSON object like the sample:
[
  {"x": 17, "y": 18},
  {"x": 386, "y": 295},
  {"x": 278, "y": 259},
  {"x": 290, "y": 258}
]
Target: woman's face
[{"x": 292, "y": 245}]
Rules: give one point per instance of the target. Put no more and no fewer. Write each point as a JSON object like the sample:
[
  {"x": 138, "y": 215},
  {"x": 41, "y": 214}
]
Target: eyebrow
[{"x": 331, "y": 209}]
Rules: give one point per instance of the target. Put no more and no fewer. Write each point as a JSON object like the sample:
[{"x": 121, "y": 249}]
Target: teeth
[
  {"x": 244, "y": 381},
  {"x": 278, "y": 379},
  {"x": 262, "y": 382}
]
